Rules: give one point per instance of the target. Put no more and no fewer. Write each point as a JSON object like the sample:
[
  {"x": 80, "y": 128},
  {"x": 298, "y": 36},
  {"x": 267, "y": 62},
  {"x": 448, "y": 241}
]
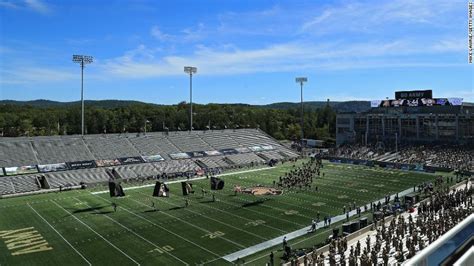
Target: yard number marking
[
  {"x": 162, "y": 249},
  {"x": 213, "y": 235},
  {"x": 255, "y": 223}
]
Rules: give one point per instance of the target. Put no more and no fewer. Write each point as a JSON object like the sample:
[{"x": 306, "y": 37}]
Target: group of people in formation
[{"x": 302, "y": 176}]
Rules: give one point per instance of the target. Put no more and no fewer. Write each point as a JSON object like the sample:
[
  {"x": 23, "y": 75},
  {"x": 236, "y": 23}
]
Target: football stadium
[
  {"x": 272, "y": 164},
  {"x": 232, "y": 196}
]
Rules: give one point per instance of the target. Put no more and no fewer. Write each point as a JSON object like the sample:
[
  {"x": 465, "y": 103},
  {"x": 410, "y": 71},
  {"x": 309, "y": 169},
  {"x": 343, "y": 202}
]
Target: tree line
[{"x": 24, "y": 120}]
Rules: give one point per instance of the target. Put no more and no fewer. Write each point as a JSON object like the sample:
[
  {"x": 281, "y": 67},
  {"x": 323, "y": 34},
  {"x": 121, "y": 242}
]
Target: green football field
[{"x": 80, "y": 228}]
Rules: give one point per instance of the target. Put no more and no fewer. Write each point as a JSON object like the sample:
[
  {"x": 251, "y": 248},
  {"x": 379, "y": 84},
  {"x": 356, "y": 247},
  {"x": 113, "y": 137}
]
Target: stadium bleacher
[
  {"x": 16, "y": 152},
  {"x": 75, "y": 177},
  {"x": 110, "y": 146},
  {"x": 6, "y": 186},
  {"x": 24, "y": 183},
  {"x": 154, "y": 143},
  {"x": 25, "y": 151},
  {"x": 245, "y": 159},
  {"x": 54, "y": 150}
]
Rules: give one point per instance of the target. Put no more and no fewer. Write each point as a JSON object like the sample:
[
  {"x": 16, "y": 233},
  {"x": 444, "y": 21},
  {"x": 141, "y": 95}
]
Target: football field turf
[{"x": 80, "y": 228}]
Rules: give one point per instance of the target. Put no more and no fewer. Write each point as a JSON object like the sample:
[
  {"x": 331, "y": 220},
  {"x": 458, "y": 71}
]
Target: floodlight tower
[
  {"x": 190, "y": 70},
  {"x": 302, "y": 80},
  {"x": 82, "y": 60}
]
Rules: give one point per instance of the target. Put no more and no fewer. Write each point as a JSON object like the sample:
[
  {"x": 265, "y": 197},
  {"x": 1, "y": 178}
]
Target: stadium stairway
[
  {"x": 284, "y": 155},
  {"x": 202, "y": 164},
  {"x": 263, "y": 156},
  {"x": 228, "y": 161}
]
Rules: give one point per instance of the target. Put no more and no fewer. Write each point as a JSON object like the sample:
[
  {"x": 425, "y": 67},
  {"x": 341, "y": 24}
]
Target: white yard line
[
  {"x": 131, "y": 231},
  {"x": 165, "y": 229},
  {"x": 65, "y": 240},
  {"x": 241, "y": 217},
  {"x": 206, "y": 217},
  {"x": 191, "y": 179},
  {"x": 193, "y": 225},
  {"x": 99, "y": 235}
]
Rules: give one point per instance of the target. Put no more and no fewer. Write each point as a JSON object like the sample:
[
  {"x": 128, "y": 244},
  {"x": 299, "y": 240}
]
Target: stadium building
[{"x": 413, "y": 117}]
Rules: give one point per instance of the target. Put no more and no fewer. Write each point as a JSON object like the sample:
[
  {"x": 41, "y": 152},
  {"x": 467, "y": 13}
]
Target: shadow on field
[
  {"x": 175, "y": 208},
  {"x": 105, "y": 212},
  {"x": 254, "y": 203},
  {"x": 91, "y": 209},
  {"x": 150, "y": 211}
]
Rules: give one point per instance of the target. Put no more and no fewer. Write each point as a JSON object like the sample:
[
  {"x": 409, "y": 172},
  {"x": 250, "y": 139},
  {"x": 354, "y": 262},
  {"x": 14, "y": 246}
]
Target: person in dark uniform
[
  {"x": 114, "y": 205},
  {"x": 186, "y": 203},
  {"x": 271, "y": 259}
]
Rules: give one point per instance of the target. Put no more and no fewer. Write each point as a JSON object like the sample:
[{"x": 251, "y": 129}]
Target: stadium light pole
[
  {"x": 146, "y": 122},
  {"x": 82, "y": 60},
  {"x": 190, "y": 70},
  {"x": 301, "y": 81}
]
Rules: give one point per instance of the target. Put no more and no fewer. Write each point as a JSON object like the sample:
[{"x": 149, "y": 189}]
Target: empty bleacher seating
[
  {"x": 110, "y": 146},
  {"x": 59, "y": 149}
]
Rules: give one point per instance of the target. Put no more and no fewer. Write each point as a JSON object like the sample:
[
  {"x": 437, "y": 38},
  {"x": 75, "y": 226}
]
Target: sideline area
[
  {"x": 191, "y": 179},
  {"x": 300, "y": 232}
]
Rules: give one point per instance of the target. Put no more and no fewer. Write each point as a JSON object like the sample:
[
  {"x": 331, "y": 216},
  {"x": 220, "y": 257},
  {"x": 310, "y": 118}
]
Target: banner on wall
[
  {"x": 181, "y": 155},
  {"x": 242, "y": 150},
  {"x": 105, "y": 163},
  {"x": 228, "y": 151},
  {"x": 267, "y": 147},
  {"x": 153, "y": 158},
  {"x": 196, "y": 154},
  {"x": 130, "y": 160},
  {"x": 20, "y": 170},
  {"x": 81, "y": 164},
  {"x": 213, "y": 153},
  {"x": 256, "y": 148},
  {"x": 44, "y": 168}
]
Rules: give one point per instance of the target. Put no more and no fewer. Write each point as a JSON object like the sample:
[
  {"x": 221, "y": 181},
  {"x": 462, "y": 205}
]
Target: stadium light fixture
[
  {"x": 190, "y": 70},
  {"x": 146, "y": 122},
  {"x": 82, "y": 60},
  {"x": 301, "y": 81}
]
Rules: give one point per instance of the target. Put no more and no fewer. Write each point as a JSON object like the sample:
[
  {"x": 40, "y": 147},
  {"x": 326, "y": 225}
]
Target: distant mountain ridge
[{"x": 348, "y": 106}]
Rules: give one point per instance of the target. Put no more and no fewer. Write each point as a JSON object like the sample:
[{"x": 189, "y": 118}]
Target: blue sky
[{"x": 246, "y": 51}]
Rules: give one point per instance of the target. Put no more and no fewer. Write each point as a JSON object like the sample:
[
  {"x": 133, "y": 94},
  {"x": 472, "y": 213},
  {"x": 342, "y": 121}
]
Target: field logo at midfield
[
  {"x": 24, "y": 241},
  {"x": 259, "y": 191}
]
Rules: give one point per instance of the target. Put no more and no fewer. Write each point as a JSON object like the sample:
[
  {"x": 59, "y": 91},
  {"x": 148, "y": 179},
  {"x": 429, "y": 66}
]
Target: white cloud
[
  {"x": 143, "y": 62},
  {"x": 35, "y": 5},
  {"x": 38, "y": 6},
  {"x": 8, "y": 4},
  {"x": 158, "y": 34},
  {"x": 369, "y": 17},
  {"x": 451, "y": 45},
  {"x": 189, "y": 34},
  {"x": 30, "y": 75}
]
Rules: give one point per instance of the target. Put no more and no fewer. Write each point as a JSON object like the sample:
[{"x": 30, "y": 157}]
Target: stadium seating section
[{"x": 23, "y": 151}]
